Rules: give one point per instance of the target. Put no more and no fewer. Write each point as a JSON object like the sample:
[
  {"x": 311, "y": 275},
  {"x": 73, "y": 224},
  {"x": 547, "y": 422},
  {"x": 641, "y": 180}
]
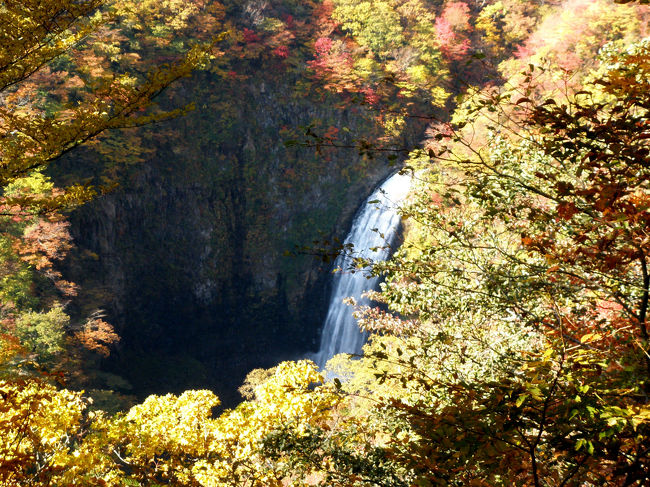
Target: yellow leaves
[
  {"x": 590, "y": 337},
  {"x": 161, "y": 16},
  {"x": 57, "y": 417},
  {"x": 418, "y": 74},
  {"x": 535, "y": 392},
  {"x": 160, "y": 439},
  {"x": 375, "y": 24},
  {"x": 38, "y": 425},
  {"x": 169, "y": 423},
  {"x": 285, "y": 399},
  {"x": 165, "y": 440},
  {"x": 36, "y": 128},
  {"x": 10, "y": 347},
  {"x": 641, "y": 416},
  {"x": 34, "y": 183},
  {"x": 521, "y": 399},
  {"x": 33, "y": 33}
]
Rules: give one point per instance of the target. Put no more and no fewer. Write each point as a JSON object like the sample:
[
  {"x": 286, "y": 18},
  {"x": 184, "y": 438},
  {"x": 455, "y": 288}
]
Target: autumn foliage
[{"x": 511, "y": 346}]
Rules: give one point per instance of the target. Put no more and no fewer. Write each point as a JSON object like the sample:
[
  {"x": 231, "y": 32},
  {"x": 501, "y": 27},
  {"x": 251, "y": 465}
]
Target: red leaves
[
  {"x": 331, "y": 134},
  {"x": 564, "y": 188},
  {"x": 250, "y": 36},
  {"x": 333, "y": 65},
  {"x": 281, "y": 52},
  {"x": 370, "y": 95},
  {"x": 451, "y": 29},
  {"x": 322, "y": 46}
]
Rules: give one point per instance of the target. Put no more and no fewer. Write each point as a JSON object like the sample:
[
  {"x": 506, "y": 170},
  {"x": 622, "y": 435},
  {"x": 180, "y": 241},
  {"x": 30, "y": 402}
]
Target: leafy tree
[
  {"x": 452, "y": 28},
  {"x": 375, "y": 24},
  {"x": 525, "y": 358},
  {"x": 51, "y": 437},
  {"x": 389, "y": 57},
  {"x": 570, "y": 40},
  {"x": 34, "y": 34},
  {"x": 32, "y": 289},
  {"x": 41, "y": 425},
  {"x": 66, "y": 46},
  {"x": 505, "y": 25},
  {"x": 43, "y": 332},
  {"x": 38, "y": 426},
  {"x": 513, "y": 346}
]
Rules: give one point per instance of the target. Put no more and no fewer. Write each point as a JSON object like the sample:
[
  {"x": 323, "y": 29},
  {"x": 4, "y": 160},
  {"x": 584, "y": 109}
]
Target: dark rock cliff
[{"x": 188, "y": 258}]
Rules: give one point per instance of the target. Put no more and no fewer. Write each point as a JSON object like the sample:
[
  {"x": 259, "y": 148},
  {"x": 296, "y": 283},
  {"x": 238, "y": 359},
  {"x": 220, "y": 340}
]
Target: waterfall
[{"x": 374, "y": 229}]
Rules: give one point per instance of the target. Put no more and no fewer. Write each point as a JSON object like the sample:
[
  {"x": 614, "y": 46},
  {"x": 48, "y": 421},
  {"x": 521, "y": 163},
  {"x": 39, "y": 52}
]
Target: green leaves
[
  {"x": 523, "y": 279},
  {"x": 43, "y": 332}
]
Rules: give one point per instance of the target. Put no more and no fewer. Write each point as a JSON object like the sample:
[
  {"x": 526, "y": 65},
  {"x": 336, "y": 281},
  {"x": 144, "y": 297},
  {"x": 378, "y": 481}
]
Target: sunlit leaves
[
  {"x": 33, "y": 33},
  {"x": 38, "y": 425},
  {"x": 390, "y": 54},
  {"x": 376, "y": 24},
  {"x": 31, "y": 140},
  {"x": 284, "y": 400},
  {"x": 517, "y": 344},
  {"x": 43, "y": 333}
]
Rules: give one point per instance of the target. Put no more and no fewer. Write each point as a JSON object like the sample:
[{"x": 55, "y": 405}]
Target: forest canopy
[{"x": 509, "y": 344}]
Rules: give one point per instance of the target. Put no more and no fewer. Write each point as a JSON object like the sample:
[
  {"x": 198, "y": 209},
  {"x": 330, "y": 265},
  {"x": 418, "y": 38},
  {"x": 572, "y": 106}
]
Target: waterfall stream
[{"x": 374, "y": 229}]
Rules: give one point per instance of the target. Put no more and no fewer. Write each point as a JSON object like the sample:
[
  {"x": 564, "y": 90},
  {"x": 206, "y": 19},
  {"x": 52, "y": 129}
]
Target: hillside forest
[{"x": 177, "y": 175}]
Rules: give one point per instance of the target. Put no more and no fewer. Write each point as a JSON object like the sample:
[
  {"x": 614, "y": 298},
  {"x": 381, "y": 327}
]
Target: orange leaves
[
  {"x": 10, "y": 346},
  {"x": 608, "y": 194},
  {"x": 375, "y": 320},
  {"x": 40, "y": 241},
  {"x": 44, "y": 242},
  {"x": 331, "y": 134},
  {"x": 566, "y": 210},
  {"x": 97, "y": 336},
  {"x": 541, "y": 243}
]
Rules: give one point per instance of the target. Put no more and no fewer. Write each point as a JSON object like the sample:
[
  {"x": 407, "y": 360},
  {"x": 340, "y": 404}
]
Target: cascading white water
[{"x": 373, "y": 230}]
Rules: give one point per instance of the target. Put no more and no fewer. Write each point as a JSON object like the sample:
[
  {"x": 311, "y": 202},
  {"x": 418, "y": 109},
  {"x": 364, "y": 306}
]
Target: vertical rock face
[{"x": 188, "y": 255}]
